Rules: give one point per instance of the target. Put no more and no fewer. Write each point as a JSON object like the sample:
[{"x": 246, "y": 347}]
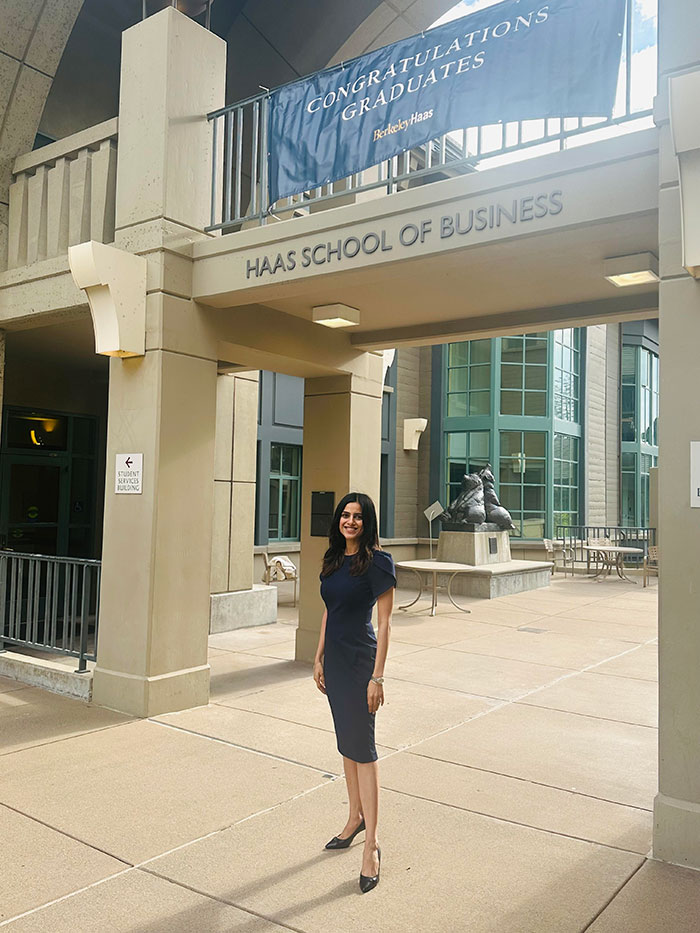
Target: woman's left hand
[{"x": 375, "y": 696}]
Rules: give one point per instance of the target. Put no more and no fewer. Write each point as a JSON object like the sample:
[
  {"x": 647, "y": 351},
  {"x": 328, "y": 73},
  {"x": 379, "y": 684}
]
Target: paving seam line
[
  {"x": 255, "y": 712},
  {"x": 512, "y": 822},
  {"x": 67, "y": 738},
  {"x": 516, "y": 777},
  {"x": 63, "y": 832},
  {"x": 613, "y": 896},
  {"x": 65, "y": 897},
  {"x": 221, "y": 900},
  {"x": 573, "y": 712},
  {"x": 504, "y": 702},
  {"x": 243, "y": 748}
]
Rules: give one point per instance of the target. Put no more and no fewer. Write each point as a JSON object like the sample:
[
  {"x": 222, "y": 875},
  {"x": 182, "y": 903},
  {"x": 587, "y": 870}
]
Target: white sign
[
  {"x": 129, "y": 473},
  {"x": 695, "y": 474},
  {"x": 433, "y": 511}
]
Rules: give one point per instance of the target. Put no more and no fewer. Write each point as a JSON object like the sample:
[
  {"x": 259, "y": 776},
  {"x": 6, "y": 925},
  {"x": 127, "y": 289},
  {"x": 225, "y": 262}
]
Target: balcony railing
[
  {"x": 50, "y": 604},
  {"x": 240, "y": 147},
  {"x": 63, "y": 194}
]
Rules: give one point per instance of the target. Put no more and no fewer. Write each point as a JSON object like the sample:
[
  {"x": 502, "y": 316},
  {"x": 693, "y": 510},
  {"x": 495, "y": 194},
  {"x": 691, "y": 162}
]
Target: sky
[{"x": 643, "y": 48}]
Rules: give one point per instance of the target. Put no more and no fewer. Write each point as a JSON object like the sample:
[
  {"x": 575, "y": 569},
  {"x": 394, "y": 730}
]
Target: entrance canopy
[{"x": 517, "y": 247}]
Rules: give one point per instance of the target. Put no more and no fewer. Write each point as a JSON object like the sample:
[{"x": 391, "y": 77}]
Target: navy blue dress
[{"x": 351, "y": 648}]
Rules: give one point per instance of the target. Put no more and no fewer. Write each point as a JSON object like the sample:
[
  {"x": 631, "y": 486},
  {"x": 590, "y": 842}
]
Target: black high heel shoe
[
  {"x": 338, "y": 843},
  {"x": 367, "y": 882}
]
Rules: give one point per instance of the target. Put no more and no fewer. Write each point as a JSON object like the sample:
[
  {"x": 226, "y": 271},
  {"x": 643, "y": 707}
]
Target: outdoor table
[
  {"x": 612, "y": 559},
  {"x": 434, "y": 567}
]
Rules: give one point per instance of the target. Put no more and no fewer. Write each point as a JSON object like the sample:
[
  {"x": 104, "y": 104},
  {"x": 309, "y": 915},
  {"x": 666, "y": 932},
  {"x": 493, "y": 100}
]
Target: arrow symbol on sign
[{"x": 128, "y": 461}]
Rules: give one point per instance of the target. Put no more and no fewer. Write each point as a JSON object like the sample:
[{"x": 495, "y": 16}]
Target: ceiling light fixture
[
  {"x": 637, "y": 269},
  {"x": 335, "y": 315}
]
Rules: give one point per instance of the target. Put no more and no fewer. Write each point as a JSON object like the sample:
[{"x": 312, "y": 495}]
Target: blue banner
[{"x": 516, "y": 60}]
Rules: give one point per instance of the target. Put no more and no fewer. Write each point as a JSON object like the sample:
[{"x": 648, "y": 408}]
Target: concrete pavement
[{"x": 518, "y": 749}]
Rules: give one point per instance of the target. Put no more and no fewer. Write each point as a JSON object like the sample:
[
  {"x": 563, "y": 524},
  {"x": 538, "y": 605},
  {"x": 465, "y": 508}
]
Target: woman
[{"x": 349, "y": 662}]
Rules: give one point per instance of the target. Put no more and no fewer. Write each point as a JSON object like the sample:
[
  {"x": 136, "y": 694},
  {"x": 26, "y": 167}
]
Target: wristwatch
[{"x": 377, "y": 680}]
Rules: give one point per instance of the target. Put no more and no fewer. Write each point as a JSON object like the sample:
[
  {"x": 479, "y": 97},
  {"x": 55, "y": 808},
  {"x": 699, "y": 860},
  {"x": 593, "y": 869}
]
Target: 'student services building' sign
[{"x": 516, "y": 60}]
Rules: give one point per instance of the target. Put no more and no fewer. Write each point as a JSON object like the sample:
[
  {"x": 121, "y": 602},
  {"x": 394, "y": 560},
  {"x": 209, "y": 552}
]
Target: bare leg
[
  {"x": 368, "y": 774},
  {"x": 355, "y": 814}
]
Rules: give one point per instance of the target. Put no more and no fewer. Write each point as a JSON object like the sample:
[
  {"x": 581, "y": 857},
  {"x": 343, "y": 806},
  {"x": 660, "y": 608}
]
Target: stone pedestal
[
  {"x": 474, "y": 547},
  {"x": 485, "y": 549}
]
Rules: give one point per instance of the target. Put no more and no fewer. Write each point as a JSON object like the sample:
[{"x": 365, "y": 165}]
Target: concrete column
[
  {"x": 234, "y": 486},
  {"x": 677, "y": 806},
  {"x": 155, "y": 596},
  {"x": 342, "y": 450},
  {"x": 154, "y": 609}
]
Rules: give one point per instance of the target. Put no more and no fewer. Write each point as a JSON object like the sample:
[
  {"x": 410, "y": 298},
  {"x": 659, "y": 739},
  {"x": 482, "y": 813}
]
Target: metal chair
[
  {"x": 651, "y": 562},
  {"x": 279, "y": 568},
  {"x": 551, "y": 547},
  {"x": 596, "y": 555}
]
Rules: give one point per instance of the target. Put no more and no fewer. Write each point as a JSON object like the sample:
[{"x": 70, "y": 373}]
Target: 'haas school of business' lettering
[{"x": 461, "y": 223}]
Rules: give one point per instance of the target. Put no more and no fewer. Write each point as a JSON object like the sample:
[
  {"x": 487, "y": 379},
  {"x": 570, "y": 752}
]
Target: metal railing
[
  {"x": 50, "y": 604},
  {"x": 240, "y": 151},
  {"x": 575, "y": 538}
]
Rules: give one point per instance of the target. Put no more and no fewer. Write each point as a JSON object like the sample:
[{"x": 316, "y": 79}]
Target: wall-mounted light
[
  {"x": 335, "y": 315},
  {"x": 637, "y": 269}
]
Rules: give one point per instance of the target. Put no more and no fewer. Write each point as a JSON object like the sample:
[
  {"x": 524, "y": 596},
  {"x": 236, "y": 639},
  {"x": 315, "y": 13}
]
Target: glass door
[{"x": 33, "y": 501}]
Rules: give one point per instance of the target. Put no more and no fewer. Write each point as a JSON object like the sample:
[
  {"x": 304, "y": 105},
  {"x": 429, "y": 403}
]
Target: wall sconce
[
  {"x": 412, "y": 430},
  {"x": 335, "y": 315},
  {"x": 637, "y": 269},
  {"x": 685, "y": 130}
]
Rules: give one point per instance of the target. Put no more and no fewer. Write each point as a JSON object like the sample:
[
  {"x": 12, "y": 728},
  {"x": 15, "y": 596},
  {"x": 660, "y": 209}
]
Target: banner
[{"x": 516, "y": 60}]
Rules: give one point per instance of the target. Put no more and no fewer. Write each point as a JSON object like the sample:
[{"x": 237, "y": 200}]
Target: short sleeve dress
[{"x": 351, "y": 648}]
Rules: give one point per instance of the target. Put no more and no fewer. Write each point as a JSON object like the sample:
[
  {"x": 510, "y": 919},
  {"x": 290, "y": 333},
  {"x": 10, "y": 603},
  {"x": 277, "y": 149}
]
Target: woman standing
[{"x": 349, "y": 663}]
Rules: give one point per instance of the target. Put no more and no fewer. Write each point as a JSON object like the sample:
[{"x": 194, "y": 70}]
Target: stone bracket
[
  {"x": 115, "y": 284},
  {"x": 684, "y": 93}
]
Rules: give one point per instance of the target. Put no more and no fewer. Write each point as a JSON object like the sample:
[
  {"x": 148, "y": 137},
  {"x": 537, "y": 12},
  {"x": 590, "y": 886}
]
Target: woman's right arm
[{"x": 318, "y": 660}]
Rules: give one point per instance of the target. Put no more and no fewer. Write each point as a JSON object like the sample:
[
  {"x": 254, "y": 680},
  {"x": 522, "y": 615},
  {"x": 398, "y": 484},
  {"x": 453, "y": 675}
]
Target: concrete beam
[{"x": 583, "y": 314}]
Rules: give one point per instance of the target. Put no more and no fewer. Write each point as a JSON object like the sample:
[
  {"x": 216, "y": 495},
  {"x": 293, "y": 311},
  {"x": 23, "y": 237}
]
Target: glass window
[
  {"x": 629, "y": 394},
  {"x": 567, "y": 366},
  {"x": 524, "y": 375},
  {"x": 469, "y": 378},
  {"x": 467, "y": 452},
  {"x": 566, "y": 481},
  {"x": 523, "y": 480},
  {"x": 285, "y": 492},
  {"x": 36, "y": 432},
  {"x": 639, "y": 431}
]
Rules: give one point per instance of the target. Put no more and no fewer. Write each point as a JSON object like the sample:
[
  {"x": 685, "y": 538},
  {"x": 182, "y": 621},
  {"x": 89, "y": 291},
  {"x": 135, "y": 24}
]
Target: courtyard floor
[{"x": 518, "y": 761}]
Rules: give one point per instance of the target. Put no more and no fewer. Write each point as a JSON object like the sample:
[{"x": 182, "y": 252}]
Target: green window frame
[
  {"x": 469, "y": 378},
  {"x": 467, "y": 451},
  {"x": 284, "y": 523},
  {"x": 524, "y": 375},
  {"x": 566, "y": 480},
  {"x": 532, "y": 368},
  {"x": 567, "y": 373},
  {"x": 523, "y": 480},
  {"x": 639, "y": 431}
]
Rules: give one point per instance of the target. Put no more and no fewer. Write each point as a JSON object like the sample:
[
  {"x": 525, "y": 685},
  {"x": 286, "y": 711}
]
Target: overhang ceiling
[
  {"x": 270, "y": 42},
  {"x": 524, "y": 273}
]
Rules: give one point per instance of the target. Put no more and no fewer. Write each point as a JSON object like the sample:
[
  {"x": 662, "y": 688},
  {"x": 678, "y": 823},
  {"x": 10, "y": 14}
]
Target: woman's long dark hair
[{"x": 369, "y": 538}]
